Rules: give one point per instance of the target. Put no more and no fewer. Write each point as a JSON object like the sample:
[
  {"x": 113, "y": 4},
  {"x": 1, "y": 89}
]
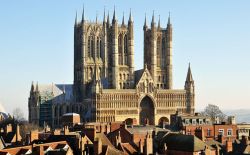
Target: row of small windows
[{"x": 124, "y": 76}]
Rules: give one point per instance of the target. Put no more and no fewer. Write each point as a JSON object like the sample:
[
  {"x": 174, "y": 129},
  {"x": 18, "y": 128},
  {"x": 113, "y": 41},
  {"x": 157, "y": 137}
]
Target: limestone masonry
[{"x": 106, "y": 86}]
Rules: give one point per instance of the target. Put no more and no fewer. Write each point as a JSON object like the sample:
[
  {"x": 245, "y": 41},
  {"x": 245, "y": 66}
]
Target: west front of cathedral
[{"x": 106, "y": 86}]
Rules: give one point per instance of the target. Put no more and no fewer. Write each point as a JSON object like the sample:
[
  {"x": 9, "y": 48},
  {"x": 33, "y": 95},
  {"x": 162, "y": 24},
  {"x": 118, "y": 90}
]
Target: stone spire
[
  {"x": 153, "y": 20},
  {"x": 96, "y": 17},
  {"x": 83, "y": 18},
  {"x": 32, "y": 87},
  {"x": 189, "y": 75},
  {"x": 159, "y": 22},
  {"x": 104, "y": 16},
  {"x": 37, "y": 89},
  {"x": 169, "y": 22},
  {"x": 145, "y": 21},
  {"x": 130, "y": 17},
  {"x": 108, "y": 19},
  {"x": 76, "y": 19},
  {"x": 114, "y": 16},
  {"x": 123, "y": 19}
]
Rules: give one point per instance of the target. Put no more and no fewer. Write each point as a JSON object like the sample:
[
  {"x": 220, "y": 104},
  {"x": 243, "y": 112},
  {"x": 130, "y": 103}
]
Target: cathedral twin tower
[{"x": 104, "y": 54}]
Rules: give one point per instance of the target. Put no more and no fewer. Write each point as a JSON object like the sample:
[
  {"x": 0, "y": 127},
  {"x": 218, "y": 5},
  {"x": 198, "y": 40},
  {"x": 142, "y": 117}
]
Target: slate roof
[
  {"x": 138, "y": 75},
  {"x": 59, "y": 92},
  {"x": 5, "y": 116},
  {"x": 182, "y": 142},
  {"x": 128, "y": 148}
]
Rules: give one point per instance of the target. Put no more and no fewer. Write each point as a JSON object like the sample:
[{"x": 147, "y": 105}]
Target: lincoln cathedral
[{"x": 106, "y": 86}]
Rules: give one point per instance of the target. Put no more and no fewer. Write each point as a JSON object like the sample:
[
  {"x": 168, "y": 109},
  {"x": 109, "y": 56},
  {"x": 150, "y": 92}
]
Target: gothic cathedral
[{"x": 106, "y": 87}]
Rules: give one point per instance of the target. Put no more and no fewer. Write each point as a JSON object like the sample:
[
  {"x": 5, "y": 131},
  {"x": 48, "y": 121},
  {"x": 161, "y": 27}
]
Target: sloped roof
[
  {"x": 59, "y": 92},
  {"x": 247, "y": 150},
  {"x": 138, "y": 75},
  {"x": 5, "y": 116},
  {"x": 9, "y": 137},
  {"x": 127, "y": 148},
  {"x": 104, "y": 139},
  {"x": 108, "y": 150},
  {"x": 182, "y": 142}
]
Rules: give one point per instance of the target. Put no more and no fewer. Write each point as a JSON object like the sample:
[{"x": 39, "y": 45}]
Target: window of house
[
  {"x": 221, "y": 132},
  {"x": 193, "y": 121},
  {"x": 229, "y": 132},
  {"x": 208, "y": 132}
]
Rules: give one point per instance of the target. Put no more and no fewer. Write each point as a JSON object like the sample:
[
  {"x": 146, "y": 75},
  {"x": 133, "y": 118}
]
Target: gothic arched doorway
[{"x": 146, "y": 114}]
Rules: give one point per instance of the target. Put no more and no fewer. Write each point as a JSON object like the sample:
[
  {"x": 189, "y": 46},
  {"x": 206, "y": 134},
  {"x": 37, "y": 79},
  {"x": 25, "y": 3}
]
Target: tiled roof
[
  {"x": 144, "y": 129},
  {"x": 108, "y": 150},
  {"x": 129, "y": 149}
]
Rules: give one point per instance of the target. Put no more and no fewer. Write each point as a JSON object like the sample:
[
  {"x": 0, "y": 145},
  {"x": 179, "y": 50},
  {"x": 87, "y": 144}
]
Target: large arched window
[
  {"x": 126, "y": 49},
  {"x": 158, "y": 51},
  {"x": 125, "y": 44},
  {"x": 92, "y": 47},
  {"x": 89, "y": 45},
  {"x": 98, "y": 47},
  {"x": 120, "y": 49}
]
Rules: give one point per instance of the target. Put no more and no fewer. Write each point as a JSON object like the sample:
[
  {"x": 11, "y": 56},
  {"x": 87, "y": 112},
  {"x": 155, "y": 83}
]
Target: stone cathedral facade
[{"x": 106, "y": 86}]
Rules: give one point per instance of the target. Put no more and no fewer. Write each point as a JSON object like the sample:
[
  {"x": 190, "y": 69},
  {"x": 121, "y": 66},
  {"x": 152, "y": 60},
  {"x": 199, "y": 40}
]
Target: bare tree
[
  {"x": 214, "y": 111},
  {"x": 27, "y": 127},
  {"x": 18, "y": 114}
]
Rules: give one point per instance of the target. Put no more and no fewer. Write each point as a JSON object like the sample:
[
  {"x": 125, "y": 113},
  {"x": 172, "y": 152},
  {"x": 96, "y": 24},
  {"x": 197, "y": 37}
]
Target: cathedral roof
[
  {"x": 138, "y": 75},
  {"x": 58, "y": 92}
]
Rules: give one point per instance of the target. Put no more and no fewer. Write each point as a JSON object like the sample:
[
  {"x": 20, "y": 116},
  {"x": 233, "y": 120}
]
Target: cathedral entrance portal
[{"x": 146, "y": 114}]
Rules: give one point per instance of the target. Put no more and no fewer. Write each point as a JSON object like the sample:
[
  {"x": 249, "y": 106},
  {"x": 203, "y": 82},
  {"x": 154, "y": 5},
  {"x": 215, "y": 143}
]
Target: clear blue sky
[{"x": 36, "y": 44}]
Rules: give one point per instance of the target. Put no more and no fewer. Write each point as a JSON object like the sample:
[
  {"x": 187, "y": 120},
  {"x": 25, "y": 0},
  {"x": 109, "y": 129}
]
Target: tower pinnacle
[
  {"x": 108, "y": 19},
  {"x": 104, "y": 16},
  {"x": 189, "y": 74},
  {"x": 76, "y": 19},
  {"x": 130, "y": 16},
  {"x": 37, "y": 89},
  {"x": 123, "y": 19},
  {"x": 83, "y": 18},
  {"x": 169, "y": 23},
  {"x": 32, "y": 87},
  {"x": 145, "y": 22},
  {"x": 153, "y": 19},
  {"x": 159, "y": 22},
  {"x": 114, "y": 17}
]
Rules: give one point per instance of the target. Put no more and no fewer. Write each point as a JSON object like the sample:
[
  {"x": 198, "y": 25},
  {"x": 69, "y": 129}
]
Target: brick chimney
[
  {"x": 38, "y": 150},
  {"x": 118, "y": 139},
  {"x": 148, "y": 144},
  {"x": 9, "y": 128},
  {"x": 199, "y": 133},
  {"x": 229, "y": 145},
  {"x": 98, "y": 147},
  {"x": 66, "y": 130},
  {"x": 33, "y": 135}
]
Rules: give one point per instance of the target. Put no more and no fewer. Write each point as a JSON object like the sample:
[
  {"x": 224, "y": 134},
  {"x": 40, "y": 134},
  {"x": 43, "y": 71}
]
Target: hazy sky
[{"x": 36, "y": 44}]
